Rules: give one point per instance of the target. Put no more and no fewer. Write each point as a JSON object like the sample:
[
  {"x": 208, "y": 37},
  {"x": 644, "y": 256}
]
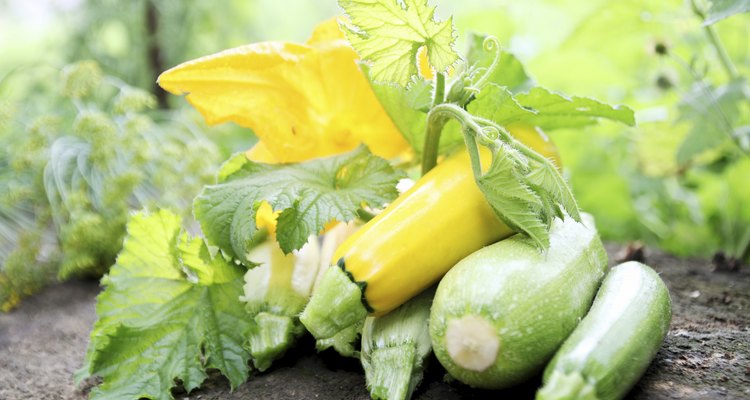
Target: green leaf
[
  {"x": 498, "y": 104},
  {"x": 548, "y": 180},
  {"x": 514, "y": 201},
  {"x": 407, "y": 107},
  {"x": 558, "y": 111},
  {"x": 712, "y": 111},
  {"x": 308, "y": 194},
  {"x": 545, "y": 109},
  {"x": 721, "y": 9},
  {"x": 169, "y": 311},
  {"x": 389, "y": 35},
  {"x": 509, "y": 73}
]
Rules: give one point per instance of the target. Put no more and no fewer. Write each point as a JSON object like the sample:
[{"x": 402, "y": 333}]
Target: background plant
[{"x": 74, "y": 165}]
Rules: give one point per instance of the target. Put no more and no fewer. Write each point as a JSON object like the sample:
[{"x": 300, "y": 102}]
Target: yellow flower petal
[
  {"x": 260, "y": 153},
  {"x": 423, "y": 64},
  {"x": 265, "y": 217},
  {"x": 325, "y": 31},
  {"x": 302, "y": 101}
]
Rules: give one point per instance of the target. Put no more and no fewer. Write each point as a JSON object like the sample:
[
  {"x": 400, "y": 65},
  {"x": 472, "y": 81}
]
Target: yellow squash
[{"x": 409, "y": 246}]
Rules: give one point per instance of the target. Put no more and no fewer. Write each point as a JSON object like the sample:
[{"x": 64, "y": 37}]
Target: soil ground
[{"x": 706, "y": 354}]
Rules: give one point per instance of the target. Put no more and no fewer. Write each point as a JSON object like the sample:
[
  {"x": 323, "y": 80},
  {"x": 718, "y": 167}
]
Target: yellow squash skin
[
  {"x": 427, "y": 230},
  {"x": 420, "y": 236}
]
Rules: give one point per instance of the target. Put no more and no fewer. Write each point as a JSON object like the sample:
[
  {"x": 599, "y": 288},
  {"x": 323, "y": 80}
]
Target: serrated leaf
[
  {"x": 389, "y": 35},
  {"x": 545, "y": 109},
  {"x": 308, "y": 194},
  {"x": 555, "y": 110},
  {"x": 721, "y": 9},
  {"x": 546, "y": 177},
  {"x": 169, "y": 311},
  {"x": 513, "y": 201}
]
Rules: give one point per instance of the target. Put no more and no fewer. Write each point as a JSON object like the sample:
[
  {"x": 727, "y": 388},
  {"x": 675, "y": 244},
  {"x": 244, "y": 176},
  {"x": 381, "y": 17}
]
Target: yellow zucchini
[{"x": 409, "y": 246}]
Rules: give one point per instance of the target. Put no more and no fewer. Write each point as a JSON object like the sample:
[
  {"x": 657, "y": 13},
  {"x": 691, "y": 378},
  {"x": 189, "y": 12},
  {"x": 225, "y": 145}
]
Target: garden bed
[{"x": 706, "y": 353}]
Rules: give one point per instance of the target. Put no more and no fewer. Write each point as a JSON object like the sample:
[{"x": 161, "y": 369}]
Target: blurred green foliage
[
  {"x": 76, "y": 163},
  {"x": 674, "y": 181}
]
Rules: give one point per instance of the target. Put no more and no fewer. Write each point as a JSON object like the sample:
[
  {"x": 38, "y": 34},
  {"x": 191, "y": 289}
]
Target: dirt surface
[{"x": 706, "y": 354}]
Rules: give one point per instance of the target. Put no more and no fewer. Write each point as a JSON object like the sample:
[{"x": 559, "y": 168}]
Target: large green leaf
[
  {"x": 540, "y": 107},
  {"x": 308, "y": 194},
  {"x": 390, "y": 34},
  {"x": 169, "y": 311}
]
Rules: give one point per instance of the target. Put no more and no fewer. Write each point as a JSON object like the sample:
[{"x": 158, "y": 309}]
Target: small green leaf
[
  {"x": 169, "y": 311},
  {"x": 546, "y": 177},
  {"x": 308, "y": 194},
  {"x": 389, "y": 35},
  {"x": 721, "y": 9},
  {"x": 513, "y": 201},
  {"x": 407, "y": 107}
]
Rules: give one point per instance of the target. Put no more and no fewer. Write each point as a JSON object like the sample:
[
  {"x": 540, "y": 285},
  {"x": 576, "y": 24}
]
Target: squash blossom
[{"x": 302, "y": 101}]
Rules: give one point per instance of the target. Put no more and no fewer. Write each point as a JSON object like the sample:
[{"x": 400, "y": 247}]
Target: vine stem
[
  {"x": 435, "y": 124},
  {"x": 473, "y": 149},
  {"x": 438, "y": 116},
  {"x": 721, "y": 51},
  {"x": 438, "y": 97},
  {"x": 726, "y": 62},
  {"x": 444, "y": 111}
]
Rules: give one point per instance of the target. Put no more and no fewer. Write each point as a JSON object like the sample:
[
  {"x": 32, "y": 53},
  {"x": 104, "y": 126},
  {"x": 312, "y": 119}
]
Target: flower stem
[
  {"x": 438, "y": 97},
  {"x": 435, "y": 124}
]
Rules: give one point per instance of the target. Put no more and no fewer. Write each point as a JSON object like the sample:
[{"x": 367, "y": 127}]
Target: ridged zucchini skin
[
  {"x": 521, "y": 300},
  {"x": 614, "y": 344},
  {"x": 420, "y": 236},
  {"x": 395, "y": 348}
]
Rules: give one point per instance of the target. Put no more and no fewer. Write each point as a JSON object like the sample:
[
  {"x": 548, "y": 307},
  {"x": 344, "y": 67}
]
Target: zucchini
[
  {"x": 612, "y": 347},
  {"x": 395, "y": 348},
  {"x": 499, "y": 315}
]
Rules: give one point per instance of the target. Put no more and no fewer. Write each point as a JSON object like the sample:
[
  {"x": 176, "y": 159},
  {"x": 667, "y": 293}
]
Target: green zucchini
[
  {"x": 395, "y": 348},
  {"x": 612, "y": 347},
  {"x": 499, "y": 315}
]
